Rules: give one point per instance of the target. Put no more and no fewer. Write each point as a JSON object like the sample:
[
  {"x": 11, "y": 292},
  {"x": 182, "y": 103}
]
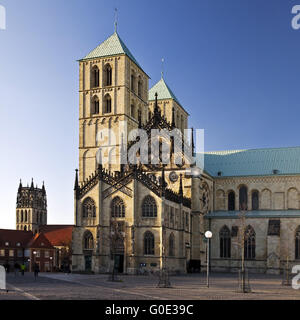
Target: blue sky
[{"x": 233, "y": 64}]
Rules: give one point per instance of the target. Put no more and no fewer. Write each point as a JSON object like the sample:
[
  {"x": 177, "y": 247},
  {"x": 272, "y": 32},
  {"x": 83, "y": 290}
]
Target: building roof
[
  {"x": 39, "y": 241},
  {"x": 58, "y": 235},
  {"x": 15, "y": 236},
  {"x": 253, "y": 162},
  {"x": 163, "y": 90},
  {"x": 254, "y": 214},
  {"x": 111, "y": 47}
]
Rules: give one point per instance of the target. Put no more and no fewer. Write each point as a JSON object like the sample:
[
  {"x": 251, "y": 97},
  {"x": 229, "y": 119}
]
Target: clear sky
[{"x": 233, "y": 64}]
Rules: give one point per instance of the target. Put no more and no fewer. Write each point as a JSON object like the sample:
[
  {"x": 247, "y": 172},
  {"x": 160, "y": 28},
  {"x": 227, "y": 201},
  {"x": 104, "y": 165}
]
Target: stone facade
[
  {"x": 278, "y": 202},
  {"x": 162, "y": 212}
]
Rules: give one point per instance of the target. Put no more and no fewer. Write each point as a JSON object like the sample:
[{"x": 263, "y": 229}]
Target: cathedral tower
[
  {"x": 113, "y": 90},
  {"x": 31, "y": 210}
]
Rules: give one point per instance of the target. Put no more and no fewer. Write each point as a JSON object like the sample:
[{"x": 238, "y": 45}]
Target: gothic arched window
[
  {"x": 95, "y": 105},
  {"x": 171, "y": 245},
  {"x": 22, "y": 216},
  {"x": 108, "y": 75},
  {"x": 231, "y": 201},
  {"x": 243, "y": 197},
  {"x": 95, "y": 76},
  {"x": 140, "y": 86},
  {"x": 132, "y": 82},
  {"x": 149, "y": 208},
  {"x": 88, "y": 208},
  {"x": 88, "y": 241},
  {"x": 255, "y": 200},
  {"x": 225, "y": 242},
  {"x": 132, "y": 111},
  {"x": 117, "y": 208},
  {"x": 297, "y": 243},
  {"x": 107, "y": 104},
  {"x": 148, "y": 243},
  {"x": 249, "y": 243}
]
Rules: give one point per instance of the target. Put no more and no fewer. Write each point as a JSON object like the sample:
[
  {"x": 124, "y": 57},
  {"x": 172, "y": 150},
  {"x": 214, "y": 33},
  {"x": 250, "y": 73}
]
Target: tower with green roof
[
  {"x": 113, "y": 89},
  {"x": 168, "y": 102}
]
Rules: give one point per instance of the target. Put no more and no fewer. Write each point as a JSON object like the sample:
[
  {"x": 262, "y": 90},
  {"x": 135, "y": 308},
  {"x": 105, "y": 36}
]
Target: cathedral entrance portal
[{"x": 119, "y": 263}]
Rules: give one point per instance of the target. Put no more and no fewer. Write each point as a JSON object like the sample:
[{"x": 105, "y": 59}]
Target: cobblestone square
[{"x": 61, "y": 286}]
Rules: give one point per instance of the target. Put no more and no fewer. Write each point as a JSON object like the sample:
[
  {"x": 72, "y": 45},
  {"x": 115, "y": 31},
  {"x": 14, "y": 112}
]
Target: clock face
[{"x": 173, "y": 176}]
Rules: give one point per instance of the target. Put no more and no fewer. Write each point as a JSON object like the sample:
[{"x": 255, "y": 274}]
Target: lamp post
[
  {"x": 34, "y": 259},
  {"x": 208, "y": 235},
  {"x": 51, "y": 262}
]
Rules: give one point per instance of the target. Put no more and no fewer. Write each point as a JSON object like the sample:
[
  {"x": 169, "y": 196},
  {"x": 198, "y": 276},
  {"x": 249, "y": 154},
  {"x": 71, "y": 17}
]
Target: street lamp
[
  {"x": 51, "y": 263},
  {"x": 208, "y": 235},
  {"x": 34, "y": 259}
]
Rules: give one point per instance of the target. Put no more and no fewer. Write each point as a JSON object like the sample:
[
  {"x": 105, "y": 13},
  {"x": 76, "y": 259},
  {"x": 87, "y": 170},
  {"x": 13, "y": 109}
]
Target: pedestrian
[
  {"x": 17, "y": 268},
  {"x": 7, "y": 267},
  {"x": 36, "y": 270},
  {"x": 23, "y": 269}
]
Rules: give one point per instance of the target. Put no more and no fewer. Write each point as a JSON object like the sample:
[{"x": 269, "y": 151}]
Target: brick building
[{"x": 18, "y": 247}]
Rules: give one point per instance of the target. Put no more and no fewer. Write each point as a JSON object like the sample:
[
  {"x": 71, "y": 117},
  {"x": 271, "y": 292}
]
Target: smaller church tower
[{"x": 31, "y": 210}]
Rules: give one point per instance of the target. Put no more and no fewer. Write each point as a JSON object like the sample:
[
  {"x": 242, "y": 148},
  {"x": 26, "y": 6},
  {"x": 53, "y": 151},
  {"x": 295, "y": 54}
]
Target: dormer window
[
  {"x": 219, "y": 173},
  {"x": 275, "y": 171},
  {"x": 18, "y": 244}
]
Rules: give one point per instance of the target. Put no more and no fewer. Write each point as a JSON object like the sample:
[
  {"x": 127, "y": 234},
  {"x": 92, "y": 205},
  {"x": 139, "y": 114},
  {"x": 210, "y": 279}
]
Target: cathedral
[{"x": 149, "y": 215}]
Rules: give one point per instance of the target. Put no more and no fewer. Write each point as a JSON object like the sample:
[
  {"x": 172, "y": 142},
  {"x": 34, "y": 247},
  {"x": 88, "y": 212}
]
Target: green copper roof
[
  {"x": 111, "y": 47},
  {"x": 255, "y": 162},
  {"x": 163, "y": 91},
  {"x": 254, "y": 214}
]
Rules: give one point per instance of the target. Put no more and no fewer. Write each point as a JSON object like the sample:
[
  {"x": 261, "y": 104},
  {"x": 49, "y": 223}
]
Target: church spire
[
  {"x": 32, "y": 185},
  {"x": 180, "y": 187},
  {"x": 193, "y": 144},
  {"x": 43, "y": 188},
  {"x": 20, "y": 185},
  {"x": 76, "y": 181}
]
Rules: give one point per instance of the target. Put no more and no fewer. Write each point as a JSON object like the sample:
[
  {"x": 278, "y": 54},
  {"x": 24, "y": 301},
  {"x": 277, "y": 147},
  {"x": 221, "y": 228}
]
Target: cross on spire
[
  {"x": 162, "y": 67},
  {"x": 116, "y": 19}
]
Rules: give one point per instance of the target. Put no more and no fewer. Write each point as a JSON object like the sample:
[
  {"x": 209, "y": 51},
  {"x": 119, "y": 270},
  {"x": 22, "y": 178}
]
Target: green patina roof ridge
[
  {"x": 111, "y": 47},
  {"x": 163, "y": 90}
]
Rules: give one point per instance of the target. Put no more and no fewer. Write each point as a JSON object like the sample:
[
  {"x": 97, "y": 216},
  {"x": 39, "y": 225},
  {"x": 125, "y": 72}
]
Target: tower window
[
  {"x": 95, "y": 76},
  {"x": 95, "y": 105},
  {"x": 140, "y": 86},
  {"x": 132, "y": 82},
  {"x": 108, "y": 75},
  {"x": 132, "y": 111},
  {"x": 107, "y": 104}
]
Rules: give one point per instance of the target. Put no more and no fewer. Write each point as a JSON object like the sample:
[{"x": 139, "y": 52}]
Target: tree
[{"x": 243, "y": 236}]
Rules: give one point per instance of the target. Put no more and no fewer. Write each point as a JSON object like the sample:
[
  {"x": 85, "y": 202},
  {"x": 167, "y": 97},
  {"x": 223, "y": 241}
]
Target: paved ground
[{"x": 74, "y": 286}]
